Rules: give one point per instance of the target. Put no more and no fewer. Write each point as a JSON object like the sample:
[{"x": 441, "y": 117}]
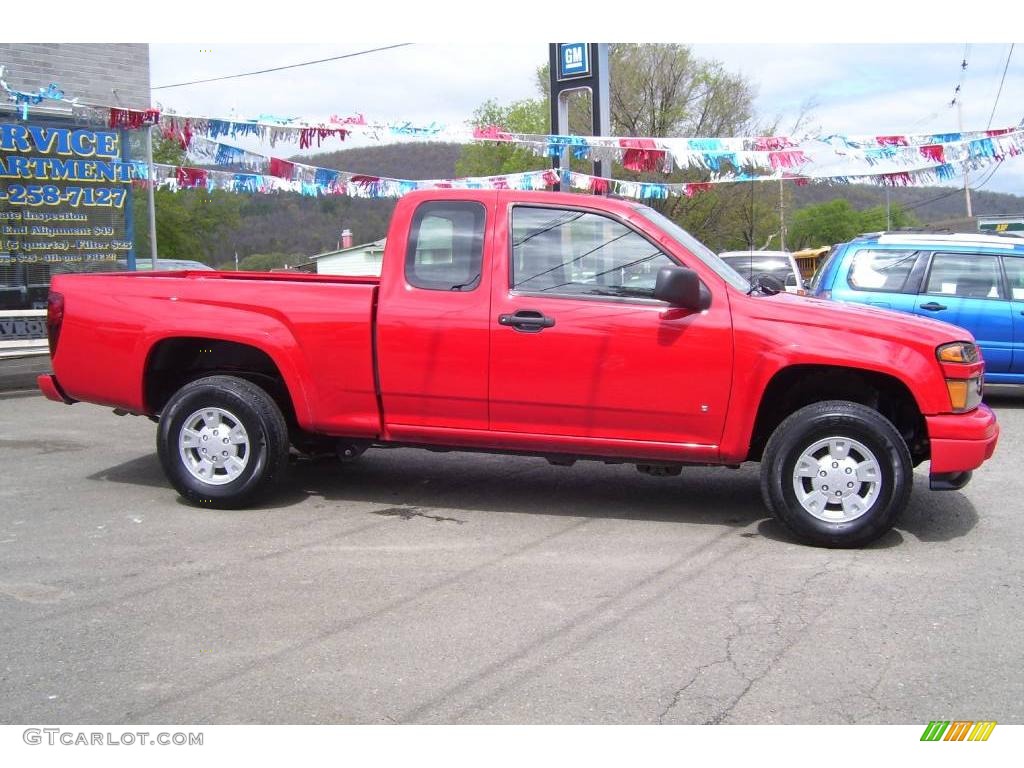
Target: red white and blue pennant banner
[
  {"x": 241, "y": 170},
  {"x": 892, "y": 160}
]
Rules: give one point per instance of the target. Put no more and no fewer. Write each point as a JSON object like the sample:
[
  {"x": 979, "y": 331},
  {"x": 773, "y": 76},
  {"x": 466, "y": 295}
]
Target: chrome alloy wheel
[
  {"x": 837, "y": 479},
  {"x": 214, "y": 446}
]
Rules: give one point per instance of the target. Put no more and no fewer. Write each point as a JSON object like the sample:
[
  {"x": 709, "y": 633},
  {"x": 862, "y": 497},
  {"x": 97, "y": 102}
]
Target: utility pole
[
  {"x": 967, "y": 188},
  {"x": 151, "y": 196},
  {"x": 782, "y": 217},
  {"x": 888, "y": 217}
]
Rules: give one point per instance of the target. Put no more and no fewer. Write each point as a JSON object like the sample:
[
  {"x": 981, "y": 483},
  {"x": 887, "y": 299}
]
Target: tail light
[{"x": 54, "y": 319}]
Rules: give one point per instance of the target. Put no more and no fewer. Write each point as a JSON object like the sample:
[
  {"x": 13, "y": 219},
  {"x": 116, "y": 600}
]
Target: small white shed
[{"x": 363, "y": 259}]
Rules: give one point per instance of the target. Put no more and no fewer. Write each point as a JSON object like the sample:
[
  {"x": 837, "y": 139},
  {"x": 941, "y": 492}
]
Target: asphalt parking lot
[{"x": 416, "y": 587}]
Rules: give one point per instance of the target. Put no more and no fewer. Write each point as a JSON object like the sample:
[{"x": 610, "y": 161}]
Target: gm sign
[{"x": 573, "y": 60}]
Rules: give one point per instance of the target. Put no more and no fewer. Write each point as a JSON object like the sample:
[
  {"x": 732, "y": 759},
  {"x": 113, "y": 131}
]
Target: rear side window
[
  {"x": 968, "y": 275},
  {"x": 446, "y": 246},
  {"x": 1014, "y": 266},
  {"x": 884, "y": 271}
]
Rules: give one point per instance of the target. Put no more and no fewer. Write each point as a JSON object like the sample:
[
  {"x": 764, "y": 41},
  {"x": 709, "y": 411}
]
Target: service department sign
[{"x": 63, "y": 195}]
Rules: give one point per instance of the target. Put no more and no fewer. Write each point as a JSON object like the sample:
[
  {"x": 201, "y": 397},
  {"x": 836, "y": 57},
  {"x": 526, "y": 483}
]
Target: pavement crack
[
  {"x": 801, "y": 592},
  {"x": 679, "y": 693}
]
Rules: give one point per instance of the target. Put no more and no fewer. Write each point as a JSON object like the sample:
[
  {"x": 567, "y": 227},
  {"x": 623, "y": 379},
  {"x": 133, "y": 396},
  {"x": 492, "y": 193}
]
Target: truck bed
[{"x": 317, "y": 330}]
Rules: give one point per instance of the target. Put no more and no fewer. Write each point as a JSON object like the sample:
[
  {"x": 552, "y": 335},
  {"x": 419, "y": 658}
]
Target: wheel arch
[
  {"x": 174, "y": 361},
  {"x": 796, "y": 386}
]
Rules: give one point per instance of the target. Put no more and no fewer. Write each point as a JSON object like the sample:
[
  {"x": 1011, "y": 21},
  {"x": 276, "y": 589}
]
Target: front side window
[
  {"x": 560, "y": 251},
  {"x": 884, "y": 271},
  {"x": 968, "y": 275},
  {"x": 446, "y": 246}
]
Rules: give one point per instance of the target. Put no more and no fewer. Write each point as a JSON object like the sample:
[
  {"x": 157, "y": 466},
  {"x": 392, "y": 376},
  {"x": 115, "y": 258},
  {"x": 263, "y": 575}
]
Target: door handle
[
  {"x": 527, "y": 321},
  {"x": 933, "y": 306}
]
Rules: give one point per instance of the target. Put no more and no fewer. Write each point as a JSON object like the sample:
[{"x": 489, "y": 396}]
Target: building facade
[
  {"x": 116, "y": 73},
  {"x": 57, "y": 214}
]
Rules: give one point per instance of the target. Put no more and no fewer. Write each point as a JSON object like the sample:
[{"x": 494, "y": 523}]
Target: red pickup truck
[{"x": 558, "y": 325}]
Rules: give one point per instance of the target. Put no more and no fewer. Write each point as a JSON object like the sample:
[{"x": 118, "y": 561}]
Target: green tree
[
  {"x": 875, "y": 219},
  {"x": 492, "y": 159},
  {"x": 188, "y": 222},
  {"x": 264, "y": 262},
  {"x": 837, "y": 221},
  {"x": 656, "y": 91},
  {"x": 167, "y": 151},
  {"x": 823, "y": 224}
]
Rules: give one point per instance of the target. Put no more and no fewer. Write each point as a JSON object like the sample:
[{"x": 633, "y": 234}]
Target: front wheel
[
  {"x": 837, "y": 474},
  {"x": 222, "y": 441}
]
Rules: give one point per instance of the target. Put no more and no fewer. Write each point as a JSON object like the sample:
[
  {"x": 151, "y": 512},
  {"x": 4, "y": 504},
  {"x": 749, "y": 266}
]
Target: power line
[
  {"x": 1001, "y": 81},
  {"x": 278, "y": 69},
  {"x": 952, "y": 192},
  {"x": 956, "y": 90},
  {"x": 990, "y": 175},
  {"x": 963, "y": 71},
  {"x": 943, "y": 196}
]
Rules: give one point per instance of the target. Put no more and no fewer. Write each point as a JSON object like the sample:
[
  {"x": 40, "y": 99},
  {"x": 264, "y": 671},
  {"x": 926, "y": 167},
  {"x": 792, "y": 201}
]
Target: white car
[{"x": 779, "y": 264}]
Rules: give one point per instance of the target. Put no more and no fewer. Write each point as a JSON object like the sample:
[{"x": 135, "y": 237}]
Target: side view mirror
[{"x": 681, "y": 287}]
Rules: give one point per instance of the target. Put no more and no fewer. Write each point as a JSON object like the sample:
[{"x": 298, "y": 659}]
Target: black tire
[
  {"x": 265, "y": 451},
  {"x": 888, "y": 487}
]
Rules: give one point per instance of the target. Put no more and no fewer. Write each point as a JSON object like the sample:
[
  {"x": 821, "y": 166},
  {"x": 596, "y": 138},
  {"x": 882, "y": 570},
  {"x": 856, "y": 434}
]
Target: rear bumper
[
  {"x": 49, "y": 386},
  {"x": 962, "y": 441}
]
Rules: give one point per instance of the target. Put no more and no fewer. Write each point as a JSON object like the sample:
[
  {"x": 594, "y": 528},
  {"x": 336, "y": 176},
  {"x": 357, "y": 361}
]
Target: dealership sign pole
[{"x": 579, "y": 67}]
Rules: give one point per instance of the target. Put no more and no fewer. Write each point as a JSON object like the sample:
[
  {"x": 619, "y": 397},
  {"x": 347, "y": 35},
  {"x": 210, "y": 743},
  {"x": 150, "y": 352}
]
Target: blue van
[{"x": 974, "y": 281}]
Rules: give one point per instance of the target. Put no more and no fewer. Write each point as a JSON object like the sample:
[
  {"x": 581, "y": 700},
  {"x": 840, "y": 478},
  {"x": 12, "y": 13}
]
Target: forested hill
[
  {"x": 302, "y": 226},
  {"x": 294, "y": 225},
  {"x": 426, "y": 160},
  {"x": 929, "y": 204}
]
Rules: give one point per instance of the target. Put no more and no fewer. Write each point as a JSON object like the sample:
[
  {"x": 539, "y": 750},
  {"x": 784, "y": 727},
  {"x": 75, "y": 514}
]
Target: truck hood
[{"x": 855, "y": 319}]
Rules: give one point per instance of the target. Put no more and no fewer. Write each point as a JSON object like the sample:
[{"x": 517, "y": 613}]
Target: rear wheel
[
  {"x": 222, "y": 441},
  {"x": 837, "y": 474}
]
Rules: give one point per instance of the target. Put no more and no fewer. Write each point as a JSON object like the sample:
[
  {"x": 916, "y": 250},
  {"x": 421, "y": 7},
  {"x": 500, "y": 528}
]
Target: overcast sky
[{"x": 858, "y": 88}]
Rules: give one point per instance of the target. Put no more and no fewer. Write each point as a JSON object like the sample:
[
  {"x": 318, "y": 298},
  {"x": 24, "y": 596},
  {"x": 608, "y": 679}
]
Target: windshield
[
  {"x": 749, "y": 265},
  {"x": 696, "y": 247},
  {"x": 822, "y": 266}
]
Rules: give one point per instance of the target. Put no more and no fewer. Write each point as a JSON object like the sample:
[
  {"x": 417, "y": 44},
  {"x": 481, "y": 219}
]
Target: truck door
[
  {"x": 966, "y": 289},
  {"x": 579, "y": 346},
  {"x": 1014, "y": 267},
  {"x": 432, "y": 318}
]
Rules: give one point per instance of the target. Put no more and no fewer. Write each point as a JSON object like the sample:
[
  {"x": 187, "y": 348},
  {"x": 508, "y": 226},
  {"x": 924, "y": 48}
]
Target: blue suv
[{"x": 974, "y": 281}]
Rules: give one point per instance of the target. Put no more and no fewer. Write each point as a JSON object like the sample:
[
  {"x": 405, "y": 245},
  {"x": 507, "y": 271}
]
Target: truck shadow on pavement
[
  {"x": 408, "y": 483},
  {"x": 1004, "y": 396}
]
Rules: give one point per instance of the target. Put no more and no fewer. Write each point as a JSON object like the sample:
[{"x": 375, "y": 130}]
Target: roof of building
[{"x": 376, "y": 245}]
